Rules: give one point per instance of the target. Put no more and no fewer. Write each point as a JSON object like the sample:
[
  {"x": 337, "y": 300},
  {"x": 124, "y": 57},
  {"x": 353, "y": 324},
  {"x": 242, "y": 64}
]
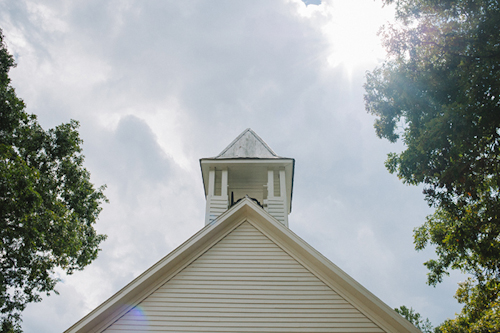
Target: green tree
[
  {"x": 439, "y": 92},
  {"x": 415, "y": 318},
  {"x": 481, "y": 312},
  {"x": 47, "y": 204}
]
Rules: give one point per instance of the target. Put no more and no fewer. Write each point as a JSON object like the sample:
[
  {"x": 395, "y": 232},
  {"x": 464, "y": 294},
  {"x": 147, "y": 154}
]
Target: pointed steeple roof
[{"x": 247, "y": 145}]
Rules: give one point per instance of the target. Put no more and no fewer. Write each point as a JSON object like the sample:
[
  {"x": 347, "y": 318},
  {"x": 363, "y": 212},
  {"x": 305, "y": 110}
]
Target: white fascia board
[
  {"x": 333, "y": 276},
  {"x": 246, "y": 210},
  {"x": 324, "y": 269},
  {"x": 162, "y": 271}
]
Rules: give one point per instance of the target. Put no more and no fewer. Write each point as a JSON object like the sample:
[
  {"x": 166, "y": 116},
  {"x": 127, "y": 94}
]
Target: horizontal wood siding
[
  {"x": 217, "y": 206},
  {"x": 276, "y": 207},
  {"x": 245, "y": 283}
]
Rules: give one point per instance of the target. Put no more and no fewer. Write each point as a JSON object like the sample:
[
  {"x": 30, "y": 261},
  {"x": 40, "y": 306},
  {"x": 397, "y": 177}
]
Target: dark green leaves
[
  {"x": 48, "y": 205},
  {"x": 439, "y": 92}
]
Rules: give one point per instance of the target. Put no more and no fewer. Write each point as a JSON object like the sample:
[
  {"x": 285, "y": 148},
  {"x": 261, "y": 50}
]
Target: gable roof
[
  {"x": 247, "y": 145},
  {"x": 244, "y": 283},
  {"x": 245, "y": 211}
]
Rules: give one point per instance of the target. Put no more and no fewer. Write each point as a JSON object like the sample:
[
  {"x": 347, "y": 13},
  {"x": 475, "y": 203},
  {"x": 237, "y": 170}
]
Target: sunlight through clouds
[{"x": 351, "y": 28}]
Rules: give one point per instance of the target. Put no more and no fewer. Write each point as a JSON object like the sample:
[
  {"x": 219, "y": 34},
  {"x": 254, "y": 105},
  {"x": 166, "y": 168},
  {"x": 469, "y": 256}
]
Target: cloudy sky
[{"x": 158, "y": 84}]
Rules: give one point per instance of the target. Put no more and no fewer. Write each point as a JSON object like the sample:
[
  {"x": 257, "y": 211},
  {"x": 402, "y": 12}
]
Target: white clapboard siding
[
  {"x": 276, "y": 207},
  {"x": 245, "y": 283}
]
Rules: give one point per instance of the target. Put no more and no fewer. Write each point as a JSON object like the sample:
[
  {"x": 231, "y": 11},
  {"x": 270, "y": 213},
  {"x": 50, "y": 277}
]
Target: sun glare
[{"x": 351, "y": 27}]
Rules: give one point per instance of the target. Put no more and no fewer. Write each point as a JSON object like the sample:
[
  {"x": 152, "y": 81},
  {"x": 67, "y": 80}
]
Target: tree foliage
[
  {"x": 415, "y": 318},
  {"x": 439, "y": 92},
  {"x": 481, "y": 311},
  {"x": 47, "y": 204}
]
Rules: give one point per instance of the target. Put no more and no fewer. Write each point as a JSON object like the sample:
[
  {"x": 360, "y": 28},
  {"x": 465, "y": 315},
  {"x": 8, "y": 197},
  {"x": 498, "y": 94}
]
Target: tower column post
[
  {"x": 282, "y": 183},
  {"x": 223, "y": 190},
  {"x": 211, "y": 183},
  {"x": 270, "y": 184}
]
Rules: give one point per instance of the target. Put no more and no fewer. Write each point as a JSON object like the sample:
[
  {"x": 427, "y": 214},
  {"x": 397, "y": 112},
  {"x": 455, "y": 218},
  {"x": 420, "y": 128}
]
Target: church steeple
[{"x": 248, "y": 167}]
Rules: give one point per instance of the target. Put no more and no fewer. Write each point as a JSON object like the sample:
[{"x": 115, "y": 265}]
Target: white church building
[{"x": 245, "y": 270}]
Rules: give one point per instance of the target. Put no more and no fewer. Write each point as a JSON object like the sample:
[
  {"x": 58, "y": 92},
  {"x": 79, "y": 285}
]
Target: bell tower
[{"x": 248, "y": 167}]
